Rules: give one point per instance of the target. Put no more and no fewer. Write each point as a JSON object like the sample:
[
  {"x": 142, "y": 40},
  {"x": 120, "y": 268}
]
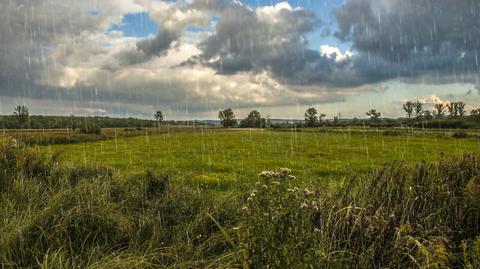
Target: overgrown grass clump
[
  {"x": 53, "y": 217},
  {"x": 398, "y": 216}
]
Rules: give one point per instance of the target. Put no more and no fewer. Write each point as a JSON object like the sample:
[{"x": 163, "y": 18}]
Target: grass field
[
  {"x": 226, "y": 159},
  {"x": 195, "y": 198}
]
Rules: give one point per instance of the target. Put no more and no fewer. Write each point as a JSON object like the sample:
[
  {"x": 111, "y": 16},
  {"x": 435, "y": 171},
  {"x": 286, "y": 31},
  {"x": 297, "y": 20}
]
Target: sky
[{"x": 191, "y": 58}]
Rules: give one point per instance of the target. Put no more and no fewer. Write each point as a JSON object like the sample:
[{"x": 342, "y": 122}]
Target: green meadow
[
  {"x": 240, "y": 198},
  {"x": 233, "y": 158}
]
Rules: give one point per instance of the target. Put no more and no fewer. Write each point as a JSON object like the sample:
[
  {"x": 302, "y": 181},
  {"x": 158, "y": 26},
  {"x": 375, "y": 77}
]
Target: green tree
[
  {"x": 408, "y": 107},
  {"x": 456, "y": 109},
  {"x": 158, "y": 117},
  {"x": 321, "y": 116},
  {"x": 311, "y": 117},
  {"x": 227, "y": 117},
  {"x": 439, "y": 111},
  {"x": 374, "y": 115},
  {"x": 253, "y": 120},
  {"x": 452, "y": 109},
  {"x": 418, "y": 107},
  {"x": 460, "y": 106},
  {"x": 22, "y": 115},
  {"x": 475, "y": 114}
]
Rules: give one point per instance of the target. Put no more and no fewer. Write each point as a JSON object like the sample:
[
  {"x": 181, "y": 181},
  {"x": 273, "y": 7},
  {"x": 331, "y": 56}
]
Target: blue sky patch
[{"x": 136, "y": 25}]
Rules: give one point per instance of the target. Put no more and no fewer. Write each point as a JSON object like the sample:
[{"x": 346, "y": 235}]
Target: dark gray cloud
[
  {"x": 392, "y": 39},
  {"x": 30, "y": 30},
  {"x": 62, "y": 50},
  {"x": 414, "y": 37},
  {"x": 159, "y": 44}
]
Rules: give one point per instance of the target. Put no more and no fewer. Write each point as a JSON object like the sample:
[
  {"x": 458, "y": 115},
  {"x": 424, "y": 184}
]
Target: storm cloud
[
  {"x": 214, "y": 53},
  {"x": 415, "y": 37}
]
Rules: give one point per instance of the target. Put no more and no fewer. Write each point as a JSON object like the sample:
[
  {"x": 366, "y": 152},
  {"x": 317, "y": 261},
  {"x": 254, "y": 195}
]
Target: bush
[{"x": 278, "y": 228}]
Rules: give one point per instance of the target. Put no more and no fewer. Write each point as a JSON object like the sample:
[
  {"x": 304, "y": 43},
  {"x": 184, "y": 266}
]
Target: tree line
[{"x": 415, "y": 112}]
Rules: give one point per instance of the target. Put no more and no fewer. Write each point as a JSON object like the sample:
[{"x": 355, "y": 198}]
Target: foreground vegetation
[{"x": 200, "y": 202}]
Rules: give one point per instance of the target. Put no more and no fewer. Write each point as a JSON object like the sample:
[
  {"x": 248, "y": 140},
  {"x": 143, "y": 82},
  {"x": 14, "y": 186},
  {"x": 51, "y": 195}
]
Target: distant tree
[
  {"x": 452, "y": 109},
  {"x": 408, "y": 107},
  {"x": 311, "y": 117},
  {"x": 439, "y": 111},
  {"x": 22, "y": 115},
  {"x": 227, "y": 117},
  {"x": 374, "y": 115},
  {"x": 460, "y": 106},
  {"x": 336, "y": 119},
  {"x": 456, "y": 109},
  {"x": 158, "y": 117},
  {"x": 475, "y": 114},
  {"x": 418, "y": 107},
  {"x": 253, "y": 120},
  {"x": 321, "y": 116}
]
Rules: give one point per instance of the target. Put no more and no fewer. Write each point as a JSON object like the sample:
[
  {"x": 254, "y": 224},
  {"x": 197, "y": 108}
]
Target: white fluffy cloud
[{"x": 332, "y": 52}]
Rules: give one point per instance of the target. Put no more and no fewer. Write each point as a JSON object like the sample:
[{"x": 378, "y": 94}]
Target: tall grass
[
  {"x": 398, "y": 216},
  {"x": 52, "y": 217}
]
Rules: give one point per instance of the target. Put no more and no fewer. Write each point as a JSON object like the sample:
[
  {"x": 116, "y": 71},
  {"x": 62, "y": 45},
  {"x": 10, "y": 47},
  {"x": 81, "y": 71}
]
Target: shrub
[{"x": 278, "y": 228}]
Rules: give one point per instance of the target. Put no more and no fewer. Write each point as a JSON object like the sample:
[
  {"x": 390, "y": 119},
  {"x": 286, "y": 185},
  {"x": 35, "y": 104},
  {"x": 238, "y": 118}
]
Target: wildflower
[
  {"x": 267, "y": 174},
  {"x": 257, "y": 183},
  {"x": 290, "y": 177},
  {"x": 295, "y": 189},
  {"x": 249, "y": 199},
  {"x": 264, "y": 186},
  {"x": 304, "y": 205},
  {"x": 276, "y": 183},
  {"x": 308, "y": 192},
  {"x": 315, "y": 230},
  {"x": 245, "y": 209},
  {"x": 236, "y": 228},
  {"x": 252, "y": 195},
  {"x": 291, "y": 190},
  {"x": 285, "y": 171}
]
